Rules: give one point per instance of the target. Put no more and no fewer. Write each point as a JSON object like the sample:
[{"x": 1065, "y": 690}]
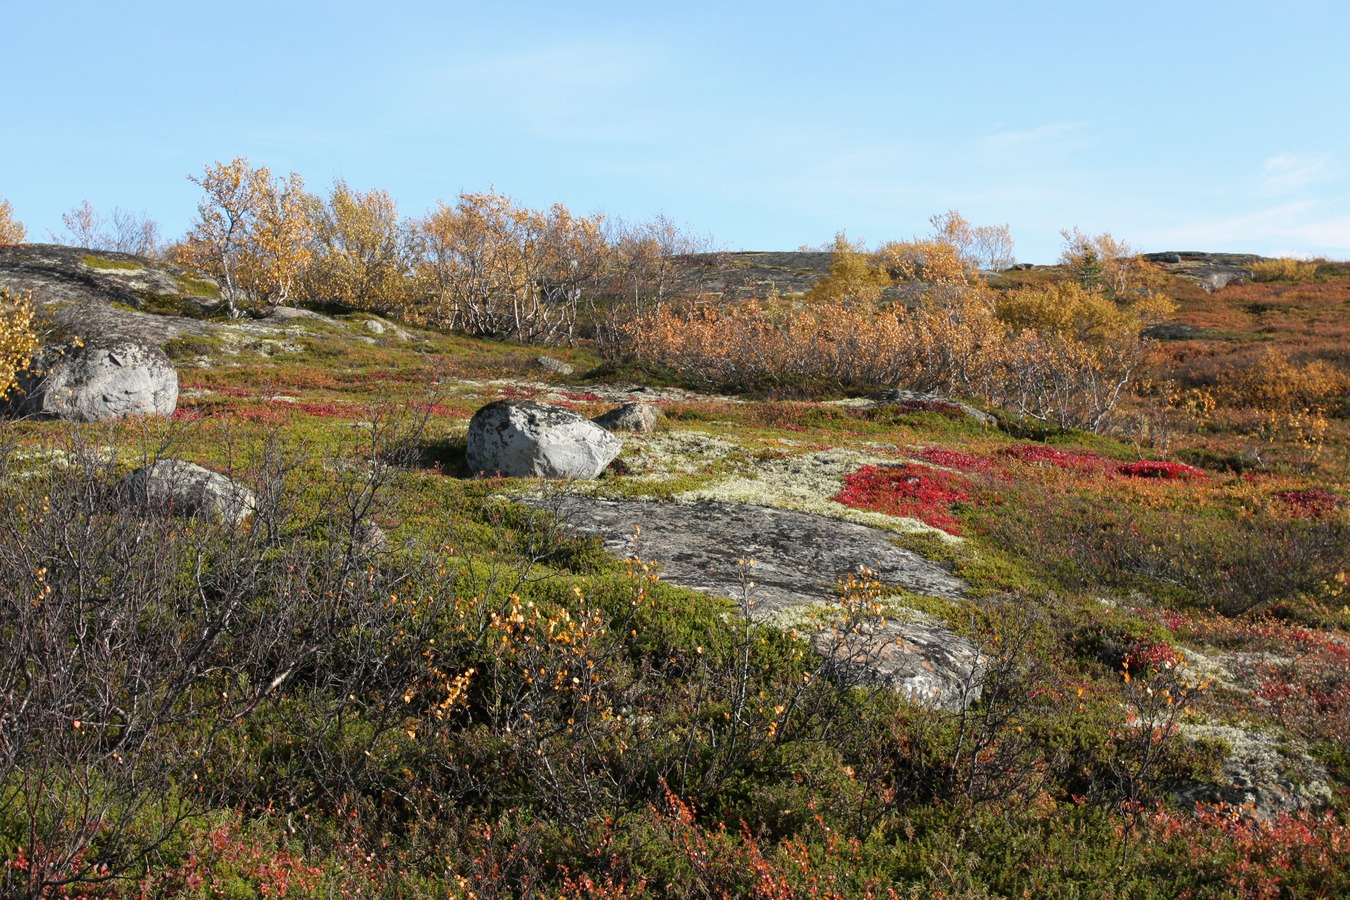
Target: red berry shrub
[
  {"x": 910, "y": 490},
  {"x": 955, "y": 459},
  {"x": 1059, "y": 459}
]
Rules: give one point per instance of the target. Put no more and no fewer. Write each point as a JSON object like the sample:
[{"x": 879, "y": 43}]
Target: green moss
[
  {"x": 190, "y": 346},
  {"x": 193, "y": 286},
  {"x": 170, "y": 305},
  {"x": 101, "y": 262}
]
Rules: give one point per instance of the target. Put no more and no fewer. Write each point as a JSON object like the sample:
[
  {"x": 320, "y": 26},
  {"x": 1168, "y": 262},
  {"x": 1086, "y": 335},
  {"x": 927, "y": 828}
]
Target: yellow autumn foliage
[
  {"x": 360, "y": 258},
  {"x": 18, "y": 339},
  {"x": 852, "y": 276},
  {"x": 1105, "y": 262},
  {"x": 1068, "y": 309},
  {"x": 954, "y": 344},
  {"x": 1285, "y": 268},
  {"x": 493, "y": 268},
  {"x": 11, "y": 229},
  {"x": 252, "y": 233}
]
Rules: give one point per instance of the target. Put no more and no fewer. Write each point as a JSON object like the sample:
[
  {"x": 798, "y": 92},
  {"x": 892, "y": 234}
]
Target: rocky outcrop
[
  {"x": 1263, "y": 774},
  {"x": 1212, "y": 271},
  {"x": 523, "y": 438},
  {"x": 98, "y": 380},
  {"x": 798, "y": 560},
  {"x": 636, "y": 417},
  {"x": 178, "y": 488},
  {"x": 929, "y": 664},
  {"x": 799, "y": 556}
]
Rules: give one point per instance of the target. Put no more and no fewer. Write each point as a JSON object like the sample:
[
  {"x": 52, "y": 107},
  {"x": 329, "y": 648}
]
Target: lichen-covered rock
[
  {"x": 522, "y": 438},
  {"x": 798, "y": 560},
  {"x": 637, "y": 416},
  {"x": 920, "y": 401},
  {"x": 1263, "y": 774},
  {"x": 98, "y": 380},
  {"x": 178, "y": 488},
  {"x": 799, "y": 557},
  {"x": 929, "y": 664}
]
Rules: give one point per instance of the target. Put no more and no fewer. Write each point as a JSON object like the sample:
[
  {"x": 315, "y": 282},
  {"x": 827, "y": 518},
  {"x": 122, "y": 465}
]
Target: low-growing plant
[
  {"x": 914, "y": 491},
  {"x": 1284, "y": 268}
]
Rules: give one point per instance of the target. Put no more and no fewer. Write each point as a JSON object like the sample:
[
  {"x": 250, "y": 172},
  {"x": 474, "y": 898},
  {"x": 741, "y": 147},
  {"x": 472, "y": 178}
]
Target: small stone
[
  {"x": 556, "y": 366},
  {"x": 635, "y": 416}
]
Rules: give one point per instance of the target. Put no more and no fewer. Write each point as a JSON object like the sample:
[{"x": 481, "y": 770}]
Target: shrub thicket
[{"x": 1284, "y": 269}]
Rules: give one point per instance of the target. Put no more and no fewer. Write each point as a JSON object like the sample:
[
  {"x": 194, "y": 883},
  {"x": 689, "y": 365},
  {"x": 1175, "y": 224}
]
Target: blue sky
[{"x": 1174, "y": 125}]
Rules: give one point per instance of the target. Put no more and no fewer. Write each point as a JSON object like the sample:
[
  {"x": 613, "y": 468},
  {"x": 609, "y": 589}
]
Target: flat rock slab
[{"x": 798, "y": 556}]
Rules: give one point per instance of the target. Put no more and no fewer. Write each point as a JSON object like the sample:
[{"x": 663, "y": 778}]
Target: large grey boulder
[
  {"x": 178, "y": 488},
  {"x": 522, "y": 438},
  {"x": 99, "y": 380},
  {"x": 636, "y": 416}
]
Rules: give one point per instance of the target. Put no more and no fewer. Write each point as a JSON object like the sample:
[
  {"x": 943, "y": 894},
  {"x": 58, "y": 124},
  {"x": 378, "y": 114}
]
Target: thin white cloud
[
  {"x": 1311, "y": 228},
  {"x": 587, "y": 91},
  {"x": 556, "y": 69},
  {"x": 1053, "y": 133},
  {"x": 1288, "y": 173}
]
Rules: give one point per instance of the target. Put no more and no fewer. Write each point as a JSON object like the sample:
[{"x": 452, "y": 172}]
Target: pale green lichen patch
[{"x": 806, "y": 483}]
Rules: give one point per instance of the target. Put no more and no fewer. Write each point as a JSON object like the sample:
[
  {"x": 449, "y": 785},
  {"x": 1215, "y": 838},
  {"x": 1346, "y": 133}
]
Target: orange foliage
[
  {"x": 252, "y": 233},
  {"x": 954, "y": 344},
  {"x": 361, "y": 255}
]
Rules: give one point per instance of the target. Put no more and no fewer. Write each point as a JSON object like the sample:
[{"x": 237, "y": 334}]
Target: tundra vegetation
[{"x": 390, "y": 680}]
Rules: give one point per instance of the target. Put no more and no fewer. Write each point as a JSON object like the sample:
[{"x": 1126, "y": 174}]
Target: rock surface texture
[
  {"x": 1264, "y": 775},
  {"x": 522, "y": 438},
  {"x": 637, "y": 417},
  {"x": 927, "y": 663},
  {"x": 556, "y": 366},
  {"x": 179, "y": 488},
  {"x": 99, "y": 380},
  {"x": 799, "y": 558}
]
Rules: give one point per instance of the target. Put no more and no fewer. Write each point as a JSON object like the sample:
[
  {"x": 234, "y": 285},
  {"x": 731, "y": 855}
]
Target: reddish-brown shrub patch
[
  {"x": 909, "y": 490},
  {"x": 1167, "y": 471}
]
